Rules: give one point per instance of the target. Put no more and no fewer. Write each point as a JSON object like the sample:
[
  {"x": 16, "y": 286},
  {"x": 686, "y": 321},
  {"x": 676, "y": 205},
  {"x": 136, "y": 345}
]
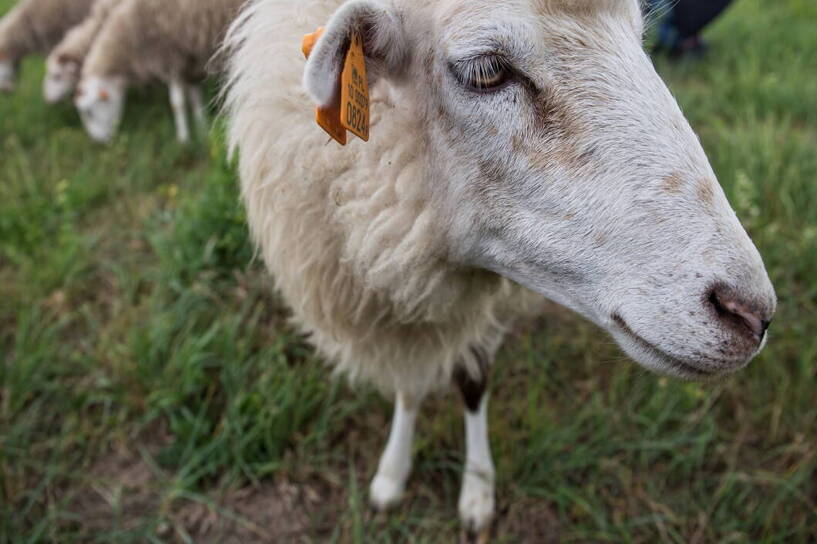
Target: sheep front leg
[
  {"x": 178, "y": 102},
  {"x": 389, "y": 483},
  {"x": 476, "y": 504}
]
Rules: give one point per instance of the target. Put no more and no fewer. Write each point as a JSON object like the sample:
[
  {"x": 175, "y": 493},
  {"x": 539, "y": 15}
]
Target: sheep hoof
[
  {"x": 385, "y": 492},
  {"x": 477, "y": 506}
]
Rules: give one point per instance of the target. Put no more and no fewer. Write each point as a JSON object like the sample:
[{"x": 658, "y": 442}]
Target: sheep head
[
  {"x": 100, "y": 102},
  {"x": 560, "y": 160}
]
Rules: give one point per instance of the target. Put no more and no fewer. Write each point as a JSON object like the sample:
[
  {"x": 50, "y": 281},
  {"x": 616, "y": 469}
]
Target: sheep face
[
  {"x": 8, "y": 74},
  {"x": 558, "y": 158},
  {"x": 100, "y": 102},
  {"x": 61, "y": 78}
]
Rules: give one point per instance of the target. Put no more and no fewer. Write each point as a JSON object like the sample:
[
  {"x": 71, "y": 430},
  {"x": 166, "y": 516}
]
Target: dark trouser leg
[{"x": 690, "y": 17}]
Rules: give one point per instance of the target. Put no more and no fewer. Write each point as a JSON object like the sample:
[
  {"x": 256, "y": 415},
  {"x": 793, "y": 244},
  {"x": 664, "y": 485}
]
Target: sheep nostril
[{"x": 730, "y": 307}]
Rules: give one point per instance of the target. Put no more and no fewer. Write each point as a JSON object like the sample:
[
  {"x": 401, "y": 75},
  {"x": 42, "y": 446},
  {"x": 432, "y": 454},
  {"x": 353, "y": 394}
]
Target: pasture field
[{"x": 151, "y": 389}]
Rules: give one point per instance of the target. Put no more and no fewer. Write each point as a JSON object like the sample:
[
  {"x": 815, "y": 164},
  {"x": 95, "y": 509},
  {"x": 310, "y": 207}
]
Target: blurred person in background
[{"x": 681, "y": 23}]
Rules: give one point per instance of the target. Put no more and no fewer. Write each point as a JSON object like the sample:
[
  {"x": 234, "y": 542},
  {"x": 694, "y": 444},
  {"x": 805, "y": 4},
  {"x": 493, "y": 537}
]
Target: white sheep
[
  {"x": 64, "y": 64},
  {"x": 34, "y": 26},
  {"x": 523, "y": 143},
  {"x": 170, "y": 41}
]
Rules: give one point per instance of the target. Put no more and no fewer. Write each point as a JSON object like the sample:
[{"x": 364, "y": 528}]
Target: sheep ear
[{"x": 383, "y": 44}]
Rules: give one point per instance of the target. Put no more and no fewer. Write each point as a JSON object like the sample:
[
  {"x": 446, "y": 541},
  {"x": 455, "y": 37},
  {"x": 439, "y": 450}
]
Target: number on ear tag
[{"x": 354, "y": 101}]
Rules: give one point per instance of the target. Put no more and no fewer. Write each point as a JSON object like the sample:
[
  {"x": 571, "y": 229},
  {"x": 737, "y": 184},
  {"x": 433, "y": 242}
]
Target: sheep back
[{"x": 145, "y": 40}]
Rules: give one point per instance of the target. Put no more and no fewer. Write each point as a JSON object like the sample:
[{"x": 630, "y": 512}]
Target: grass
[{"x": 151, "y": 389}]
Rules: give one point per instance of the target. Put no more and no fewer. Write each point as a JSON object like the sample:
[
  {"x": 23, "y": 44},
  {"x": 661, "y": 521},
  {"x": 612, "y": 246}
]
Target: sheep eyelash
[{"x": 484, "y": 73}]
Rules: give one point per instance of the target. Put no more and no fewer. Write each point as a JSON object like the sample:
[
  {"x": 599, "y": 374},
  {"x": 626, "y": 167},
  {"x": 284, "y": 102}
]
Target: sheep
[
  {"x": 64, "y": 63},
  {"x": 144, "y": 40},
  {"x": 34, "y": 26},
  {"x": 516, "y": 148}
]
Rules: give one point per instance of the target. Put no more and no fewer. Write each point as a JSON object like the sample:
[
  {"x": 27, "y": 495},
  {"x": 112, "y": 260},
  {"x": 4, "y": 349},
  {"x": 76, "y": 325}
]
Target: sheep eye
[{"x": 483, "y": 73}]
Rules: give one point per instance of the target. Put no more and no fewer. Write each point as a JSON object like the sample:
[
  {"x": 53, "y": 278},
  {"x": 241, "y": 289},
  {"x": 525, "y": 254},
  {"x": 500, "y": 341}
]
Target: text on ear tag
[
  {"x": 354, "y": 95},
  {"x": 327, "y": 117}
]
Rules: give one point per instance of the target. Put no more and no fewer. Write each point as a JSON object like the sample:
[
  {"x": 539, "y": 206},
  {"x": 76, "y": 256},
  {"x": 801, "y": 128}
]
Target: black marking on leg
[{"x": 473, "y": 389}]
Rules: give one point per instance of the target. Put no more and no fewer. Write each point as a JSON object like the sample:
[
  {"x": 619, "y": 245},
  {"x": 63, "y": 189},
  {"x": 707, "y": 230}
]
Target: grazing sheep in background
[
  {"x": 523, "y": 143},
  {"x": 64, "y": 64},
  {"x": 35, "y": 26},
  {"x": 146, "y": 40}
]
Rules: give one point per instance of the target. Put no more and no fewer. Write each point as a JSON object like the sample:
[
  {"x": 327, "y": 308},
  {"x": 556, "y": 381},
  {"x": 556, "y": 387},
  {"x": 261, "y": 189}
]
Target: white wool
[{"x": 358, "y": 257}]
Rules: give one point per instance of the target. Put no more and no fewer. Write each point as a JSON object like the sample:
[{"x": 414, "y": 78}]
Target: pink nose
[{"x": 741, "y": 314}]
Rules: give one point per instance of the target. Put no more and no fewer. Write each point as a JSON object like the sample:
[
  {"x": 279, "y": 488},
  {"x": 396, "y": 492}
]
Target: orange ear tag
[
  {"x": 309, "y": 41},
  {"x": 354, "y": 100},
  {"x": 350, "y": 106}
]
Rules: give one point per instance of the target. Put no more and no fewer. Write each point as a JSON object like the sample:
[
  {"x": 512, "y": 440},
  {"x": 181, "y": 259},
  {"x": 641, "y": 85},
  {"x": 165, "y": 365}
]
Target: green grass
[{"x": 151, "y": 389}]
